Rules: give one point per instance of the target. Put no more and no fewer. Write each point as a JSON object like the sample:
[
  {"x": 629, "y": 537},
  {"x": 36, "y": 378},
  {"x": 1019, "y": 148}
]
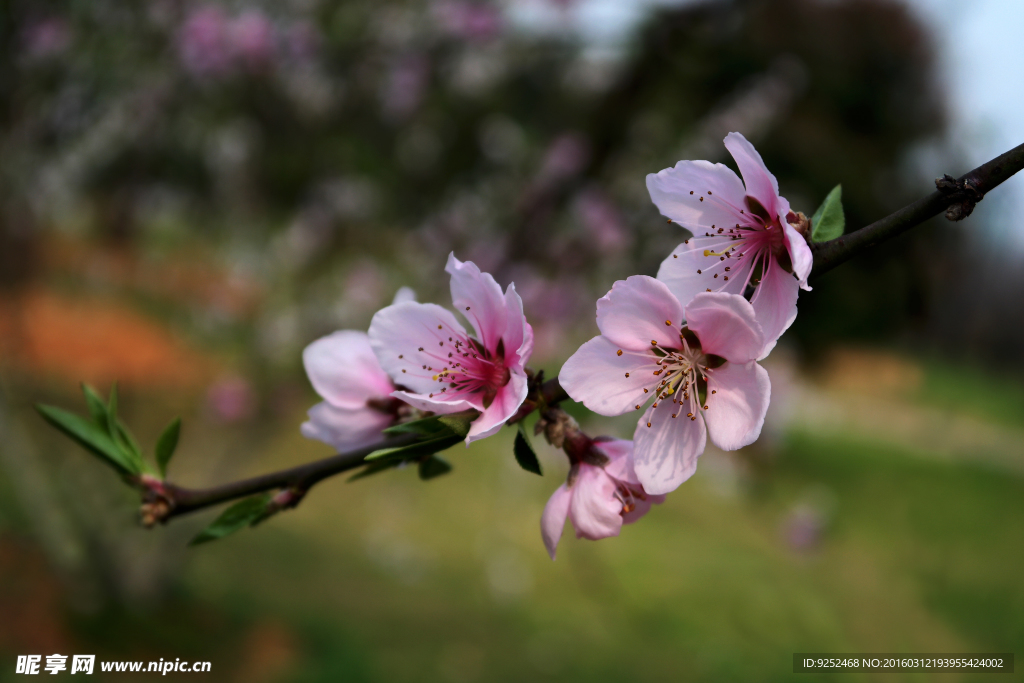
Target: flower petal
[
  {"x": 414, "y": 338},
  {"x": 665, "y": 454},
  {"x": 760, "y": 183},
  {"x": 687, "y": 271},
  {"x": 641, "y": 506},
  {"x": 479, "y": 299},
  {"x": 505, "y": 404},
  {"x": 736, "y": 410},
  {"x": 435, "y": 404},
  {"x": 637, "y": 311},
  {"x": 404, "y": 294},
  {"x": 774, "y": 303},
  {"x": 605, "y": 382},
  {"x": 726, "y": 326},
  {"x": 553, "y": 519},
  {"x": 518, "y": 334},
  {"x": 594, "y": 509},
  {"x": 343, "y": 428},
  {"x": 344, "y": 370},
  {"x": 800, "y": 255},
  {"x": 697, "y": 194}
]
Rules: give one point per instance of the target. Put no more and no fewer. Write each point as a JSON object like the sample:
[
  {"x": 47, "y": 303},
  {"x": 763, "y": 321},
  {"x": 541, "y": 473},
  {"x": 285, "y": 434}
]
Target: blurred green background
[{"x": 193, "y": 191}]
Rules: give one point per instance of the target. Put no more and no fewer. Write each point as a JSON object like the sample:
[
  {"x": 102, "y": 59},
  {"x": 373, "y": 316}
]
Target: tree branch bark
[
  {"x": 964, "y": 192},
  {"x": 957, "y": 196}
]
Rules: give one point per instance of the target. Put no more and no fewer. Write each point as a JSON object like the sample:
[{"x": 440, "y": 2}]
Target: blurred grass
[{"x": 393, "y": 579}]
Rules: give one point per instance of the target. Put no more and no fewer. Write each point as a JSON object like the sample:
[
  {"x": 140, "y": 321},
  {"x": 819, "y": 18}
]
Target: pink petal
[
  {"x": 404, "y": 294},
  {"x": 518, "y": 333},
  {"x": 478, "y": 298},
  {"x": 641, "y": 507},
  {"x": 553, "y": 519},
  {"x": 400, "y": 330},
  {"x": 800, "y": 254},
  {"x": 437, "y": 403},
  {"x": 635, "y": 312},
  {"x": 726, "y": 326},
  {"x": 596, "y": 376},
  {"x": 665, "y": 454},
  {"x": 760, "y": 183},
  {"x": 344, "y": 371},
  {"x": 774, "y": 303},
  {"x": 620, "y": 454},
  {"x": 681, "y": 193},
  {"x": 736, "y": 411},
  {"x": 505, "y": 404},
  {"x": 343, "y": 428},
  {"x": 679, "y": 270},
  {"x": 594, "y": 509}
]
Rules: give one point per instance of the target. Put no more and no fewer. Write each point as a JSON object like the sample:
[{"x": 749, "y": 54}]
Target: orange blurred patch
[
  {"x": 97, "y": 341},
  {"x": 268, "y": 652},
  {"x": 186, "y": 276},
  {"x": 871, "y": 371}
]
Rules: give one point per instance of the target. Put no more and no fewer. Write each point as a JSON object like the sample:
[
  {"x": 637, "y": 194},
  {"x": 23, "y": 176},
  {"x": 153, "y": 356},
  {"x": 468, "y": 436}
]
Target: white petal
[
  {"x": 736, "y": 411},
  {"x": 553, "y": 519},
  {"x": 760, "y": 183},
  {"x": 478, "y": 298},
  {"x": 399, "y": 332},
  {"x": 680, "y": 273},
  {"x": 345, "y": 429},
  {"x": 505, "y": 404},
  {"x": 665, "y": 454},
  {"x": 681, "y": 193},
  {"x": 344, "y": 370},
  {"x": 799, "y": 254},
  {"x": 774, "y": 303},
  {"x": 637, "y": 311},
  {"x": 726, "y": 326},
  {"x": 518, "y": 333},
  {"x": 596, "y": 376}
]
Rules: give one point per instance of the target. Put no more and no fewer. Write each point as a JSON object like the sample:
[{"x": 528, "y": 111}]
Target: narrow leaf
[
  {"x": 525, "y": 455},
  {"x": 239, "y": 515},
  {"x": 459, "y": 422},
  {"x": 376, "y": 467},
  {"x": 416, "y": 450},
  {"x": 829, "y": 222},
  {"x": 90, "y": 437},
  {"x": 120, "y": 435},
  {"x": 97, "y": 408},
  {"x": 166, "y": 444},
  {"x": 433, "y": 467},
  {"x": 427, "y": 426}
]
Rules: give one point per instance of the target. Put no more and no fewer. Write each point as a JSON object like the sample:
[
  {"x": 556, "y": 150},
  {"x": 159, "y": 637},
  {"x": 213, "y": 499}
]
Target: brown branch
[{"x": 955, "y": 197}]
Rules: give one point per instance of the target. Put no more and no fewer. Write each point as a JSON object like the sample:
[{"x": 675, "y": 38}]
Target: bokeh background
[{"x": 191, "y": 192}]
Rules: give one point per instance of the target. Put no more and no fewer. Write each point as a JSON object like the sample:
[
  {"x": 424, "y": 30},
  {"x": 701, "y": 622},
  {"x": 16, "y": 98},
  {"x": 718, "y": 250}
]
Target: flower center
[
  {"x": 472, "y": 369},
  {"x": 683, "y": 374}
]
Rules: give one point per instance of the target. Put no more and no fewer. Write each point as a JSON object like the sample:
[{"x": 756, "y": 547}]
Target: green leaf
[
  {"x": 375, "y": 467},
  {"x": 828, "y": 222},
  {"x": 459, "y": 422},
  {"x": 97, "y": 408},
  {"x": 89, "y": 436},
  {"x": 415, "y": 450},
  {"x": 120, "y": 435},
  {"x": 433, "y": 466},
  {"x": 427, "y": 426},
  {"x": 166, "y": 444},
  {"x": 523, "y": 450},
  {"x": 241, "y": 514}
]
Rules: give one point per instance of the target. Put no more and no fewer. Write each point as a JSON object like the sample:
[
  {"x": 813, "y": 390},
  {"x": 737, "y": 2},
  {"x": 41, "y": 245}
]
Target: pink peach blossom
[
  {"x": 740, "y": 235},
  {"x": 598, "y": 499},
  {"x": 425, "y": 349},
  {"x": 356, "y": 391},
  {"x": 697, "y": 362}
]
